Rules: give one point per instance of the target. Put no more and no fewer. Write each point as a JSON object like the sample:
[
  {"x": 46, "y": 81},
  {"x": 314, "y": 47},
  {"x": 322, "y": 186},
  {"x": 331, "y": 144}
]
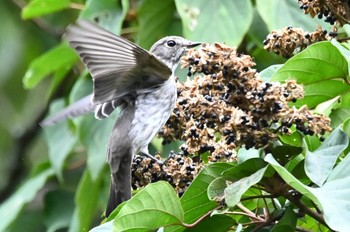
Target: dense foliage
[{"x": 56, "y": 178}]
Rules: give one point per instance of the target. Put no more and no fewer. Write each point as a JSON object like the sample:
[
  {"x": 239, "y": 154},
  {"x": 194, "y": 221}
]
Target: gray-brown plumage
[{"x": 141, "y": 83}]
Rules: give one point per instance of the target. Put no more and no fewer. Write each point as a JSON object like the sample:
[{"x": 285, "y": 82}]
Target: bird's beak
[{"x": 193, "y": 44}]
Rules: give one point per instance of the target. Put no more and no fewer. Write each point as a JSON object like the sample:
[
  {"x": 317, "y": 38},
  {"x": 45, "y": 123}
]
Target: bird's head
[{"x": 170, "y": 49}]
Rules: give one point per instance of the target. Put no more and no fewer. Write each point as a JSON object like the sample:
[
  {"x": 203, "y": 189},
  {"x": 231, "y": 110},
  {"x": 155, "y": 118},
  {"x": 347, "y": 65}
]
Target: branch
[
  {"x": 318, "y": 217},
  {"x": 17, "y": 170},
  {"x": 257, "y": 197}
]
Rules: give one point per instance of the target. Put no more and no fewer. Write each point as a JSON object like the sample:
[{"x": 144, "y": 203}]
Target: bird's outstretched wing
[{"x": 118, "y": 67}]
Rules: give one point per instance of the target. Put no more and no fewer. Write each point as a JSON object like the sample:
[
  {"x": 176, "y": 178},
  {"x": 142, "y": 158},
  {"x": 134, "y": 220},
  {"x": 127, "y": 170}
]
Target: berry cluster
[
  {"x": 229, "y": 106},
  {"x": 177, "y": 169},
  {"x": 334, "y": 11},
  {"x": 289, "y": 40}
]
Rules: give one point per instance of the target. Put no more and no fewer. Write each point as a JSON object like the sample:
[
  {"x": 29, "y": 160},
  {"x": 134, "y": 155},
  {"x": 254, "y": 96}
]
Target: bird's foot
[{"x": 159, "y": 162}]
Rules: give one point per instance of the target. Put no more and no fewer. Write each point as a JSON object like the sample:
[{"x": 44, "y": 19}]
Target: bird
[{"x": 141, "y": 83}]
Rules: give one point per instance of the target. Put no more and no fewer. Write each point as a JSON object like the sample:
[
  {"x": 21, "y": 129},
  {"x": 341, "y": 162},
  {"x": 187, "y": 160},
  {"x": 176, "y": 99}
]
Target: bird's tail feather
[
  {"x": 120, "y": 188},
  {"x": 78, "y": 108}
]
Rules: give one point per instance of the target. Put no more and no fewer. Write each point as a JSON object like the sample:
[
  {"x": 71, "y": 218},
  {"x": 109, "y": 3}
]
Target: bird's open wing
[{"x": 118, "y": 67}]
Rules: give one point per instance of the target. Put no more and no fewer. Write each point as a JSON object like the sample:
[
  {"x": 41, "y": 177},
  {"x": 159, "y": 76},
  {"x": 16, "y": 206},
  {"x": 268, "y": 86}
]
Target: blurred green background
[{"x": 55, "y": 179}]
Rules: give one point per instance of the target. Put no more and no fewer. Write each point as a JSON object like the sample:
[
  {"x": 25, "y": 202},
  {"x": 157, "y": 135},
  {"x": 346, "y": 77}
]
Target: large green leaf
[
  {"x": 319, "y": 163},
  {"x": 155, "y": 206},
  {"x": 26, "y": 193},
  {"x": 108, "y": 13},
  {"x": 156, "y": 20},
  {"x": 37, "y": 8},
  {"x": 283, "y": 13},
  {"x": 217, "y": 223},
  {"x": 60, "y": 57},
  {"x": 332, "y": 197},
  {"x": 320, "y": 68},
  {"x": 195, "y": 201},
  {"x": 215, "y": 21},
  {"x": 60, "y": 141}
]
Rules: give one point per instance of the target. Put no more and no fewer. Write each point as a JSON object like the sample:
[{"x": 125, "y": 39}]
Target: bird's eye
[{"x": 171, "y": 43}]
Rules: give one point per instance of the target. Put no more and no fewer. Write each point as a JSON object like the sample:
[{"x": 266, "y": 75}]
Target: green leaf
[
  {"x": 26, "y": 193},
  {"x": 245, "y": 169},
  {"x": 312, "y": 142},
  {"x": 338, "y": 116},
  {"x": 60, "y": 57},
  {"x": 86, "y": 202},
  {"x": 244, "y": 154},
  {"x": 334, "y": 196},
  {"x": 287, "y": 223},
  {"x": 57, "y": 80},
  {"x": 267, "y": 73},
  {"x": 294, "y": 139},
  {"x": 155, "y": 206},
  {"x": 108, "y": 13},
  {"x": 320, "y": 69},
  {"x": 234, "y": 192},
  {"x": 346, "y": 126},
  {"x": 319, "y": 163},
  {"x": 326, "y": 108},
  {"x": 156, "y": 20},
  {"x": 291, "y": 180},
  {"x": 335, "y": 208},
  {"x": 283, "y": 13},
  {"x": 59, "y": 207},
  {"x": 37, "y": 8},
  {"x": 344, "y": 51},
  {"x": 284, "y": 153},
  {"x": 215, "y": 21},
  {"x": 105, "y": 227},
  {"x": 215, "y": 223},
  {"x": 320, "y": 61},
  {"x": 94, "y": 136},
  {"x": 60, "y": 141},
  {"x": 195, "y": 201}
]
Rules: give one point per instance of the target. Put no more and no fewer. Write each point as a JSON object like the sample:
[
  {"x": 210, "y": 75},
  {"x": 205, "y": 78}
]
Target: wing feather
[{"x": 116, "y": 65}]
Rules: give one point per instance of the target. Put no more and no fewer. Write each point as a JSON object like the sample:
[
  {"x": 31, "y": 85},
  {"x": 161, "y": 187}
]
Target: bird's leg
[{"x": 144, "y": 151}]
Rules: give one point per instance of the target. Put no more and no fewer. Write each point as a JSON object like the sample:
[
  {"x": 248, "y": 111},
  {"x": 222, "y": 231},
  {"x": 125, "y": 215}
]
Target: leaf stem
[
  {"x": 249, "y": 212},
  {"x": 199, "y": 220}
]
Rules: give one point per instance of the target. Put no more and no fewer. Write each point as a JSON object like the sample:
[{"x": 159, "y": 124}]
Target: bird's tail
[
  {"x": 120, "y": 188},
  {"x": 78, "y": 108}
]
